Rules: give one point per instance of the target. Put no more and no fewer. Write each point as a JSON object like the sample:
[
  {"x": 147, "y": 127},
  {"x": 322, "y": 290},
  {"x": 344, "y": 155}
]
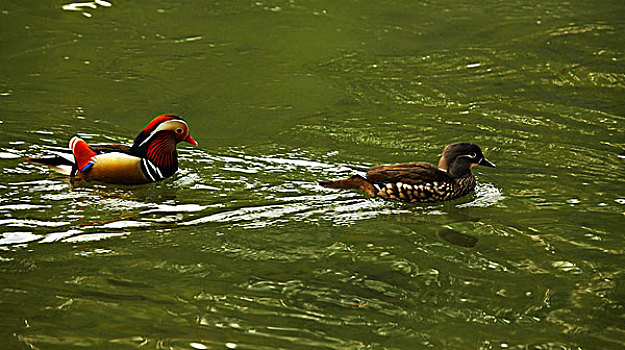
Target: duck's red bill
[{"x": 190, "y": 140}]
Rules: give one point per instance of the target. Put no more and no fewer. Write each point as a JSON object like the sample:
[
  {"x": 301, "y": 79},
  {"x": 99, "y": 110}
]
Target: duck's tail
[
  {"x": 67, "y": 161},
  {"x": 62, "y": 161},
  {"x": 355, "y": 182},
  {"x": 58, "y": 164}
]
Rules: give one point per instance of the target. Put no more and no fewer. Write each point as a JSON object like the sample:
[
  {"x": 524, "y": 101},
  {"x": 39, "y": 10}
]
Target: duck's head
[
  {"x": 458, "y": 159},
  {"x": 168, "y": 126}
]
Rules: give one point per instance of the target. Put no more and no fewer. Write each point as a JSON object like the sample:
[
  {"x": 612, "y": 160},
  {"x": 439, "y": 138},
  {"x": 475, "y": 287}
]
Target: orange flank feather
[{"x": 82, "y": 153}]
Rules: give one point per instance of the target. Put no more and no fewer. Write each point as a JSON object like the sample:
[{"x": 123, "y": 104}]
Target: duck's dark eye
[
  {"x": 473, "y": 155},
  {"x": 179, "y": 131}
]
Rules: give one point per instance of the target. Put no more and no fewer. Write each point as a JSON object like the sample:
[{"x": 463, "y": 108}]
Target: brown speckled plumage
[{"x": 421, "y": 182}]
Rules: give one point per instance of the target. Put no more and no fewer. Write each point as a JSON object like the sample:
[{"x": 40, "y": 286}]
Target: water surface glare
[{"x": 242, "y": 249}]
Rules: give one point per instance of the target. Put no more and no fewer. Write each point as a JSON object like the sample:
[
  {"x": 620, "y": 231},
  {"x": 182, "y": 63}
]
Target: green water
[{"x": 242, "y": 249}]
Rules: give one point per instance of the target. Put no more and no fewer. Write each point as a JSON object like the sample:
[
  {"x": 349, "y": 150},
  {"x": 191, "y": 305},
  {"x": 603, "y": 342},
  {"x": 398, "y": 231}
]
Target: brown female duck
[{"x": 421, "y": 182}]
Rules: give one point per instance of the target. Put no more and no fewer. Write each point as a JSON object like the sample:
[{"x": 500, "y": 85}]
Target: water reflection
[{"x": 457, "y": 238}]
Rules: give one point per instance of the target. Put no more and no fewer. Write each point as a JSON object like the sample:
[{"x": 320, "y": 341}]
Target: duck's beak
[
  {"x": 190, "y": 140},
  {"x": 483, "y": 162}
]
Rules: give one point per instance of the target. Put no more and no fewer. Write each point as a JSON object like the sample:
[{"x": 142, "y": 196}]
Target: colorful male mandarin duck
[
  {"x": 421, "y": 182},
  {"x": 152, "y": 156}
]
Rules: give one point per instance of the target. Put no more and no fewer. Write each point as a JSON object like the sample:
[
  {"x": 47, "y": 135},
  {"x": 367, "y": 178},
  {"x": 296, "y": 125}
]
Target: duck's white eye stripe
[
  {"x": 160, "y": 127},
  {"x": 472, "y": 156}
]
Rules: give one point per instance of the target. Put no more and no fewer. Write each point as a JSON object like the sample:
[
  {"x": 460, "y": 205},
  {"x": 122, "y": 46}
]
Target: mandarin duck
[
  {"x": 421, "y": 182},
  {"x": 152, "y": 157}
]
